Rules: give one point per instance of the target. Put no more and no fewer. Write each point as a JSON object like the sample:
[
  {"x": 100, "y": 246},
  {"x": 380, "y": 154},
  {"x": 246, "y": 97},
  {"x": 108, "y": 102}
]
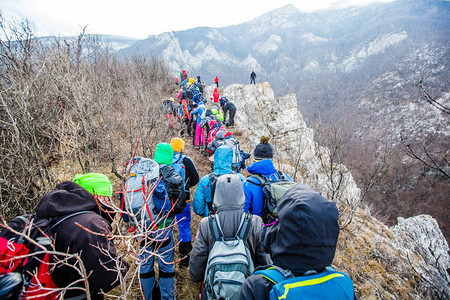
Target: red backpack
[{"x": 19, "y": 254}]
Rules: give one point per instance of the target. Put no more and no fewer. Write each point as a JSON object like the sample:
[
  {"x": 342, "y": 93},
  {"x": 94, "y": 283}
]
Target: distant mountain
[{"x": 334, "y": 60}]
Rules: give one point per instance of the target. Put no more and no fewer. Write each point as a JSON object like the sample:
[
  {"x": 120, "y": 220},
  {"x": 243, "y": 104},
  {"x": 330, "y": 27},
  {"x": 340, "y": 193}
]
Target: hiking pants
[
  {"x": 232, "y": 114},
  {"x": 199, "y": 133},
  {"x": 252, "y": 80},
  {"x": 188, "y": 126},
  {"x": 165, "y": 251},
  {"x": 184, "y": 223}
]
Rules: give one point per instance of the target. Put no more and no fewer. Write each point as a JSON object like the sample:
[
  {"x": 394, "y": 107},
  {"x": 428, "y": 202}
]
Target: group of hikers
[
  {"x": 261, "y": 237},
  {"x": 191, "y": 110}
]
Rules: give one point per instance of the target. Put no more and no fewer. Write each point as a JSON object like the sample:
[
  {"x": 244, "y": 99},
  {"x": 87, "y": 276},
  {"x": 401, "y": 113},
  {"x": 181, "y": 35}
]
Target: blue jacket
[
  {"x": 223, "y": 158},
  {"x": 199, "y": 111},
  {"x": 254, "y": 193}
]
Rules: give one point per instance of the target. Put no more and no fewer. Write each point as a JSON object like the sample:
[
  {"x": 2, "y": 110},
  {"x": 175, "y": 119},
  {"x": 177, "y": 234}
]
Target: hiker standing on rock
[
  {"x": 216, "y": 81},
  {"x": 253, "y": 77}
]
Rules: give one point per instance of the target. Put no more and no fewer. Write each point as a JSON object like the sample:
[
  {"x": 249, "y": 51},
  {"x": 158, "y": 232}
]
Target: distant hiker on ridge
[
  {"x": 216, "y": 80},
  {"x": 253, "y": 77}
]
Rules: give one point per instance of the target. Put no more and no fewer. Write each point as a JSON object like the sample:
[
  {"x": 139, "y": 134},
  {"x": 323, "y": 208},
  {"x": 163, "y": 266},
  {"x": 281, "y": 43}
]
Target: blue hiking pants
[
  {"x": 184, "y": 223},
  {"x": 164, "y": 249}
]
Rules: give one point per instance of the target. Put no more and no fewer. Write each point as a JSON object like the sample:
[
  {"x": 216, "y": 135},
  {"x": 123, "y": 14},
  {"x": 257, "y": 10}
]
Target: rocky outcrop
[
  {"x": 421, "y": 242},
  {"x": 260, "y": 113},
  {"x": 407, "y": 261}
]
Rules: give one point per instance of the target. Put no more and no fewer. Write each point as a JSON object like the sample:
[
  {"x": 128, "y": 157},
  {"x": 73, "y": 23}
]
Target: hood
[
  {"x": 223, "y": 159},
  {"x": 163, "y": 154},
  {"x": 307, "y": 232},
  {"x": 220, "y": 134},
  {"x": 68, "y": 198},
  {"x": 264, "y": 167},
  {"x": 229, "y": 193}
]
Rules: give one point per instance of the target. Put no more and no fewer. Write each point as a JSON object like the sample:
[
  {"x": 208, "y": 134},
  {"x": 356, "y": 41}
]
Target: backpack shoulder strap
[
  {"x": 215, "y": 227},
  {"x": 244, "y": 227},
  {"x": 260, "y": 177},
  {"x": 281, "y": 175},
  {"x": 70, "y": 216},
  {"x": 275, "y": 274},
  {"x": 212, "y": 185}
]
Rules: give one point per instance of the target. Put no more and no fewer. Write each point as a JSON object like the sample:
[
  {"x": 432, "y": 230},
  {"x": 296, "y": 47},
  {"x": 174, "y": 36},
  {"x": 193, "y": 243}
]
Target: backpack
[
  {"x": 168, "y": 107},
  {"x": 273, "y": 190},
  {"x": 328, "y": 284},
  {"x": 144, "y": 193},
  {"x": 180, "y": 111},
  {"x": 229, "y": 261},
  {"x": 239, "y": 156},
  {"x": 24, "y": 265},
  {"x": 178, "y": 165}
]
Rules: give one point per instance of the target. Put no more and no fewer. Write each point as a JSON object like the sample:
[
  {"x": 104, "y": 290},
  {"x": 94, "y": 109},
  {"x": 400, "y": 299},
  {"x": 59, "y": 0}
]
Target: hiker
[
  {"x": 88, "y": 200},
  {"x": 196, "y": 97},
  {"x": 303, "y": 241},
  {"x": 228, "y": 202},
  {"x": 253, "y": 77},
  {"x": 199, "y": 81},
  {"x": 203, "y": 199},
  {"x": 183, "y": 75},
  {"x": 217, "y": 141},
  {"x": 262, "y": 165},
  {"x": 169, "y": 110},
  {"x": 200, "y": 112},
  {"x": 184, "y": 219},
  {"x": 160, "y": 242},
  {"x": 185, "y": 117},
  {"x": 231, "y": 108},
  {"x": 217, "y": 113},
  {"x": 216, "y": 81},
  {"x": 216, "y": 96}
]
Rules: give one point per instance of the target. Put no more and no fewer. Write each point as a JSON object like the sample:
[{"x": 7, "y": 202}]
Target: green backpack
[{"x": 273, "y": 190}]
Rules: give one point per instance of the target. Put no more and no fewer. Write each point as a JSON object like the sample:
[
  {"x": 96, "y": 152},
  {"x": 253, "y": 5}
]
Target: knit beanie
[
  {"x": 177, "y": 144},
  {"x": 263, "y": 150},
  {"x": 163, "y": 154},
  {"x": 95, "y": 183}
]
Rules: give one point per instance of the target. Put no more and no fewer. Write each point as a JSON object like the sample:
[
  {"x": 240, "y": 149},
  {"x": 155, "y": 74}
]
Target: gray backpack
[
  {"x": 143, "y": 174},
  {"x": 229, "y": 261}
]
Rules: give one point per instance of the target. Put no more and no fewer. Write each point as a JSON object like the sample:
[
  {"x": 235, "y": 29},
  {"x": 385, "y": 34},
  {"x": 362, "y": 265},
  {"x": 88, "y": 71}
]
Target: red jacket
[
  {"x": 216, "y": 96},
  {"x": 217, "y": 79}
]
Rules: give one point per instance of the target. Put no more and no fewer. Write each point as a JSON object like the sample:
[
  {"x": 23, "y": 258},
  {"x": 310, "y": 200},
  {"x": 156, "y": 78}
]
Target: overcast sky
[{"x": 141, "y": 18}]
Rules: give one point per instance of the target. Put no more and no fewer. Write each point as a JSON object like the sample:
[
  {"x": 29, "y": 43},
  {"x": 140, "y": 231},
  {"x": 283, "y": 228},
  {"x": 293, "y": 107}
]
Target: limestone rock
[{"x": 422, "y": 243}]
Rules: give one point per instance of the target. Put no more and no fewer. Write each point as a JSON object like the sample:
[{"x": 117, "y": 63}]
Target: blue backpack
[
  {"x": 328, "y": 284},
  {"x": 178, "y": 165}
]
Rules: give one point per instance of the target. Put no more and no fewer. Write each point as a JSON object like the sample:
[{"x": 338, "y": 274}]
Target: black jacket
[
  {"x": 228, "y": 106},
  {"x": 192, "y": 177},
  {"x": 67, "y": 199},
  {"x": 304, "y": 239}
]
